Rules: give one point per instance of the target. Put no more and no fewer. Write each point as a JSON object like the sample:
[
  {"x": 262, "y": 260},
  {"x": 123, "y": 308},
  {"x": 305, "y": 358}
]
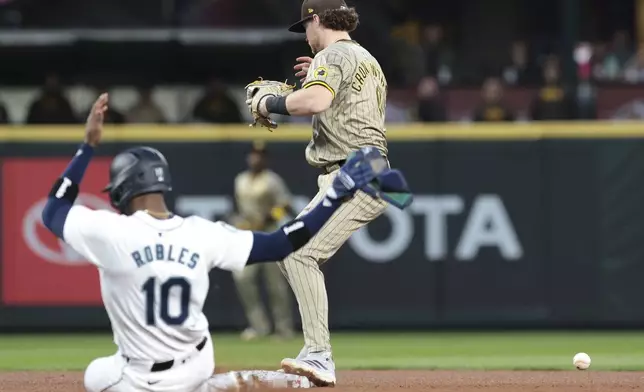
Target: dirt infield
[{"x": 385, "y": 381}]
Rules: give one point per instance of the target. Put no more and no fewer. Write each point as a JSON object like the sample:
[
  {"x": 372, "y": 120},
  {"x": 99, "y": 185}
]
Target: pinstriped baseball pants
[{"x": 302, "y": 268}]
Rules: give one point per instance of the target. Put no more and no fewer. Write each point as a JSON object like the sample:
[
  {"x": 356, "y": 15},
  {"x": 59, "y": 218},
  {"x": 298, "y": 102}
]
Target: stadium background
[{"x": 518, "y": 124}]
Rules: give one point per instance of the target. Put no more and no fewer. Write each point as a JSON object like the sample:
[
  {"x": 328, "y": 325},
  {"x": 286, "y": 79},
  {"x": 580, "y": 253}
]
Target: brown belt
[{"x": 331, "y": 167}]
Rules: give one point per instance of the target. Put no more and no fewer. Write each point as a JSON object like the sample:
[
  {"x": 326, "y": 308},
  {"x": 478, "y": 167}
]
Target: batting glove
[
  {"x": 391, "y": 186},
  {"x": 361, "y": 168}
]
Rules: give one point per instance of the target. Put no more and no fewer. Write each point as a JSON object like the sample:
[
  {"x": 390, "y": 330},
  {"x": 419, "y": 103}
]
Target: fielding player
[
  {"x": 262, "y": 202},
  {"x": 153, "y": 265},
  {"x": 345, "y": 91}
]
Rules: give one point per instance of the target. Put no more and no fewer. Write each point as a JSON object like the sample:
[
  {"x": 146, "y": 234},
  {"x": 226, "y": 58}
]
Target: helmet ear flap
[{"x": 116, "y": 198}]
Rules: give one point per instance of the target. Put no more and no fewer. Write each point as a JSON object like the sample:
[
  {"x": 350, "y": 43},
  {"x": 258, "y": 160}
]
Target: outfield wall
[{"x": 512, "y": 226}]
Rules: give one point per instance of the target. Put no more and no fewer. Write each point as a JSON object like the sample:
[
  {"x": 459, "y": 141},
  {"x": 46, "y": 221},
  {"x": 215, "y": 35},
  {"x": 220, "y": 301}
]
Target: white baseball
[{"x": 581, "y": 361}]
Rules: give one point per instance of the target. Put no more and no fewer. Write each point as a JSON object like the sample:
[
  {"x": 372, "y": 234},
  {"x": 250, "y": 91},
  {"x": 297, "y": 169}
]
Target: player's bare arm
[
  {"x": 305, "y": 102},
  {"x": 266, "y": 97},
  {"x": 316, "y": 95}
]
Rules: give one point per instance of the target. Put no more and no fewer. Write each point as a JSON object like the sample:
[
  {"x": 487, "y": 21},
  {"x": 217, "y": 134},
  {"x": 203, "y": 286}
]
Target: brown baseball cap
[
  {"x": 259, "y": 147},
  {"x": 312, "y": 7}
]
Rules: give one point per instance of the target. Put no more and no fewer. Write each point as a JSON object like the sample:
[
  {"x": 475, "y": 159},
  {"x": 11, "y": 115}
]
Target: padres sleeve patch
[
  {"x": 321, "y": 72},
  {"x": 319, "y": 76}
]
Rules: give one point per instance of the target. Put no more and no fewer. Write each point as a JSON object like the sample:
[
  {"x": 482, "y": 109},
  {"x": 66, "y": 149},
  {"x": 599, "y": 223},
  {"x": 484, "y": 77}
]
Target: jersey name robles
[{"x": 154, "y": 274}]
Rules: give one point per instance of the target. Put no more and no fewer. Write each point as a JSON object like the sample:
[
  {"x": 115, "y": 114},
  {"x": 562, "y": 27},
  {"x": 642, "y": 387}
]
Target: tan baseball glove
[{"x": 260, "y": 89}]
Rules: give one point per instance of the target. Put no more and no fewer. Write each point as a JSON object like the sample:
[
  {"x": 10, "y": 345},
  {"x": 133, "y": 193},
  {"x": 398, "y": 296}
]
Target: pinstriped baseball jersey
[
  {"x": 257, "y": 194},
  {"x": 356, "y": 117}
]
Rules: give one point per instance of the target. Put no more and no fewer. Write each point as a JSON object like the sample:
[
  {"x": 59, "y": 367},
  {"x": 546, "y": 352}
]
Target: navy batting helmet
[{"x": 135, "y": 172}]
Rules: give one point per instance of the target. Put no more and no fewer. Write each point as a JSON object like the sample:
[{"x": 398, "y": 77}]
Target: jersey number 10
[{"x": 150, "y": 298}]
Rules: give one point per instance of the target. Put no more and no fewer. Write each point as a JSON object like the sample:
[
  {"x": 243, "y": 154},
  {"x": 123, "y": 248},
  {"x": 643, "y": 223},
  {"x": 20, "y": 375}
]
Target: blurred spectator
[
  {"x": 620, "y": 51},
  {"x": 112, "y": 116},
  {"x": 4, "y": 115},
  {"x": 634, "y": 69},
  {"x": 600, "y": 72},
  {"x": 492, "y": 108},
  {"x": 610, "y": 60},
  {"x": 216, "y": 106},
  {"x": 438, "y": 57},
  {"x": 51, "y": 106},
  {"x": 430, "y": 104},
  {"x": 408, "y": 55},
  {"x": 145, "y": 110},
  {"x": 583, "y": 57},
  {"x": 552, "y": 102},
  {"x": 519, "y": 70},
  {"x": 407, "y": 32}
]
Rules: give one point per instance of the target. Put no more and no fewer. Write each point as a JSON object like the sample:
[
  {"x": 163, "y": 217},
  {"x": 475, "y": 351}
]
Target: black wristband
[
  {"x": 277, "y": 105},
  {"x": 297, "y": 233}
]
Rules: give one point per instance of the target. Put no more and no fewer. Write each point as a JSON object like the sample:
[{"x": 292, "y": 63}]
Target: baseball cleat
[
  {"x": 303, "y": 353},
  {"x": 317, "y": 367}
]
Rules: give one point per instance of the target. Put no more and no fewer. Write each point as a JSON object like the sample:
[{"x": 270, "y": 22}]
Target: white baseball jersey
[{"x": 154, "y": 274}]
